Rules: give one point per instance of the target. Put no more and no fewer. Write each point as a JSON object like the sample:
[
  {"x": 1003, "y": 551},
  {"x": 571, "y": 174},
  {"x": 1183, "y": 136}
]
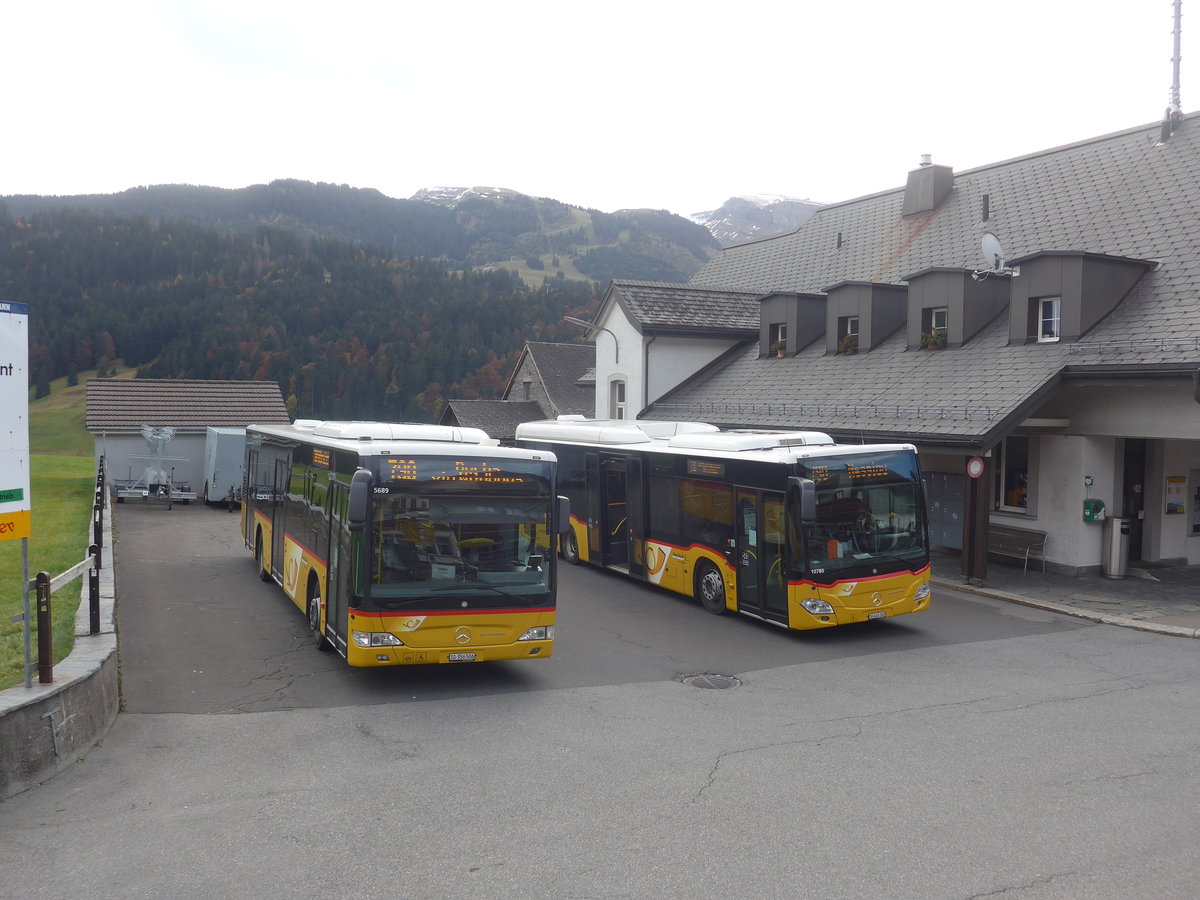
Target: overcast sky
[{"x": 666, "y": 105}]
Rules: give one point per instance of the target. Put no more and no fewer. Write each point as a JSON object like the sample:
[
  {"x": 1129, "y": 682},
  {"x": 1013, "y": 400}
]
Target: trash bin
[{"x": 1115, "y": 560}]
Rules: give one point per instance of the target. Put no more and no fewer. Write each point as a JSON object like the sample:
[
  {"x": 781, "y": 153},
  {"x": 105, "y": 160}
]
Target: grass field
[{"x": 62, "y": 484}]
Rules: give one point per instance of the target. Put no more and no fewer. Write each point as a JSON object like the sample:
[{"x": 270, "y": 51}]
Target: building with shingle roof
[
  {"x": 548, "y": 380},
  {"x": 119, "y": 410},
  {"x": 651, "y": 336},
  {"x": 1070, "y": 366}
]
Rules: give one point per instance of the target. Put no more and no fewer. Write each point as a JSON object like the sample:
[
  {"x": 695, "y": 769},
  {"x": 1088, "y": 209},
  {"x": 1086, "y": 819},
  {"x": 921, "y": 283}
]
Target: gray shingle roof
[
  {"x": 659, "y": 307},
  {"x": 562, "y": 369},
  {"x": 498, "y": 418},
  {"x": 1121, "y": 194},
  {"x": 119, "y": 404}
]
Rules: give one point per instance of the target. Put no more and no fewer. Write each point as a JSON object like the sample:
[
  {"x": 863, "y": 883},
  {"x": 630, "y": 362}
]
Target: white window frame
[
  {"x": 778, "y": 334},
  {"x": 939, "y": 318},
  {"x": 616, "y": 399},
  {"x": 1049, "y": 327}
]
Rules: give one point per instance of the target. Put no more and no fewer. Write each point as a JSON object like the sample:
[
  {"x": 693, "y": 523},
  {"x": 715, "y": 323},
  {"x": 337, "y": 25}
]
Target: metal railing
[
  {"x": 1134, "y": 345},
  {"x": 45, "y": 586}
]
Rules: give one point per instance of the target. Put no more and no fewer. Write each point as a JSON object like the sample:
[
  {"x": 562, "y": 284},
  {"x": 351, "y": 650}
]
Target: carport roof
[{"x": 120, "y": 404}]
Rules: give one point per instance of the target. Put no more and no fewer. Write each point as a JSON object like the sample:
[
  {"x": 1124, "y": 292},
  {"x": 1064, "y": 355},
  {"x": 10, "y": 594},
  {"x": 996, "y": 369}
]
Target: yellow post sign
[{"x": 15, "y": 520}]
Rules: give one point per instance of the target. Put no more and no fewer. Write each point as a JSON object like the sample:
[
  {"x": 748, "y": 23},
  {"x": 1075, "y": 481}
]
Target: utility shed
[{"x": 119, "y": 409}]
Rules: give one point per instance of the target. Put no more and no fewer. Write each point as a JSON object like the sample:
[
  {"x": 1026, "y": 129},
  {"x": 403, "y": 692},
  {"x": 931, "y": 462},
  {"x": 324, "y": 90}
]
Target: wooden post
[{"x": 975, "y": 524}]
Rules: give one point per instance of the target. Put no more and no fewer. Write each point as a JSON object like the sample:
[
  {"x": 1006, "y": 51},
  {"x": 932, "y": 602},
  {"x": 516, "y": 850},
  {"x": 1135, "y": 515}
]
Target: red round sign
[{"x": 974, "y": 466}]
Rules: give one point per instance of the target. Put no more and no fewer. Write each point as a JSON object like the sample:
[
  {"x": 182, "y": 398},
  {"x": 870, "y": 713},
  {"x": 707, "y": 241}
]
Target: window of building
[
  {"x": 934, "y": 321},
  {"x": 616, "y": 405},
  {"x": 1049, "y": 314},
  {"x": 1012, "y": 474},
  {"x": 527, "y": 387},
  {"x": 847, "y": 334},
  {"x": 777, "y": 334}
]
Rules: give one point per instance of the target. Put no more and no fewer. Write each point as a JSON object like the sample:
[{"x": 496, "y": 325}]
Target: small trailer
[
  {"x": 158, "y": 480},
  {"x": 224, "y": 460}
]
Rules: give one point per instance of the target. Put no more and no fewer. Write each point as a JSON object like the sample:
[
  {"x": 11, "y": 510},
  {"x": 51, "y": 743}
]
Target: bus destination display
[
  {"x": 854, "y": 471},
  {"x": 475, "y": 471}
]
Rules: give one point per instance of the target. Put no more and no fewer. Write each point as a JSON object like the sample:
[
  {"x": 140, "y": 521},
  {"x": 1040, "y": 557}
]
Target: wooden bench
[{"x": 1021, "y": 543}]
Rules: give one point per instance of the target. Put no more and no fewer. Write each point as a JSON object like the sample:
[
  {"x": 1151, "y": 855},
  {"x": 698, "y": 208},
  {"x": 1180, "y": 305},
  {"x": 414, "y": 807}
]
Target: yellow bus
[
  {"x": 787, "y": 527},
  {"x": 406, "y": 544}
]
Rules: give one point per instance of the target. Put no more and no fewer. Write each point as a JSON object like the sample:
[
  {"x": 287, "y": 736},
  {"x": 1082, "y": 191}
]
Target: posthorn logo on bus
[{"x": 462, "y": 635}]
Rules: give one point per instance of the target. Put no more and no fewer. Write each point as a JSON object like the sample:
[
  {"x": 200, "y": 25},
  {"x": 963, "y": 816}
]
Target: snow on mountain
[{"x": 755, "y": 216}]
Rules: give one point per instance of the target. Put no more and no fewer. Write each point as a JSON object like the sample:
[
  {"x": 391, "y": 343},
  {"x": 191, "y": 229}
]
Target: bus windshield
[
  {"x": 869, "y": 512},
  {"x": 434, "y": 545}
]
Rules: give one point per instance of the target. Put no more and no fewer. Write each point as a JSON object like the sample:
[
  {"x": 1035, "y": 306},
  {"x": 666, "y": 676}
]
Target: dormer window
[
  {"x": 777, "y": 334},
  {"x": 934, "y": 321},
  {"x": 1049, "y": 319},
  {"x": 848, "y": 334}
]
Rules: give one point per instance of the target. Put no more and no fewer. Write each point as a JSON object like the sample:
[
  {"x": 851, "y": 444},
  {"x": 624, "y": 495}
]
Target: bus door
[
  {"x": 758, "y": 555},
  {"x": 337, "y": 581},
  {"x": 635, "y": 528},
  {"x": 592, "y": 494},
  {"x": 615, "y": 513},
  {"x": 249, "y": 500},
  {"x": 279, "y": 493}
]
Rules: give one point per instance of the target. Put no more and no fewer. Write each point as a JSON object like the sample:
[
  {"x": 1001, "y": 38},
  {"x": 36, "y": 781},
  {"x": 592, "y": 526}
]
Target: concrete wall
[
  {"x": 1062, "y": 462},
  {"x": 46, "y": 728},
  {"x": 671, "y": 361}
]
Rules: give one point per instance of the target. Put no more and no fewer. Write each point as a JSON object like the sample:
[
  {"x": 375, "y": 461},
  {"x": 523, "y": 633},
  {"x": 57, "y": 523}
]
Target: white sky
[{"x": 658, "y": 103}]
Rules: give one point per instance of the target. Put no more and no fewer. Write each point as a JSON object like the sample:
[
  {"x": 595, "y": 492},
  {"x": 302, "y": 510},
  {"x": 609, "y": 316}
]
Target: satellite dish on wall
[{"x": 993, "y": 253}]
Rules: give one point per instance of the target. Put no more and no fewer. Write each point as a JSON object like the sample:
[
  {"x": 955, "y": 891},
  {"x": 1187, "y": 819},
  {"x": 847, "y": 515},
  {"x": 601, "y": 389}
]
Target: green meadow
[{"x": 62, "y": 479}]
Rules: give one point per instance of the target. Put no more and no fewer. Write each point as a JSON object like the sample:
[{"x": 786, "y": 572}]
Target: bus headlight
[
  {"x": 541, "y": 633},
  {"x": 376, "y": 639},
  {"x": 922, "y": 592},
  {"x": 817, "y": 607}
]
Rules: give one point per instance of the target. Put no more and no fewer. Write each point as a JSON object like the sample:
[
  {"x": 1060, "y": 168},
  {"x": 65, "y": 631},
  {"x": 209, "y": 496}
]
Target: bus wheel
[
  {"x": 710, "y": 588},
  {"x": 258, "y": 556},
  {"x": 570, "y": 547},
  {"x": 314, "y": 618}
]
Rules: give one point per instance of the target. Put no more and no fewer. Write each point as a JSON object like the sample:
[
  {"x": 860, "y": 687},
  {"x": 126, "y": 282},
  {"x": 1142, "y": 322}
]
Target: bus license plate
[
  {"x": 462, "y": 657},
  {"x": 877, "y": 615}
]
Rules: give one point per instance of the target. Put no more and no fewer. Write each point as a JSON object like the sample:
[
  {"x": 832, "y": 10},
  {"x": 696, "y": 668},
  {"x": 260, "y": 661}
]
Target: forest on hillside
[
  {"x": 465, "y": 228},
  {"x": 347, "y": 329}
]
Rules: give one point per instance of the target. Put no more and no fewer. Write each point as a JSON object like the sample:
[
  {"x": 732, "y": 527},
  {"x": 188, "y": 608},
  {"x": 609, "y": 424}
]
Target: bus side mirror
[
  {"x": 360, "y": 495},
  {"x": 563, "y": 514},
  {"x": 802, "y": 492}
]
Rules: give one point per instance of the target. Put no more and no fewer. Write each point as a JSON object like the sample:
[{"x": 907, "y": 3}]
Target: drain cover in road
[{"x": 710, "y": 681}]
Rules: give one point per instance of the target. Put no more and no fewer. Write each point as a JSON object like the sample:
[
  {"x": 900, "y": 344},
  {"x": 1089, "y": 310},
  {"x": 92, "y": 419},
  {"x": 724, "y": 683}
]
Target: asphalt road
[{"x": 980, "y": 748}]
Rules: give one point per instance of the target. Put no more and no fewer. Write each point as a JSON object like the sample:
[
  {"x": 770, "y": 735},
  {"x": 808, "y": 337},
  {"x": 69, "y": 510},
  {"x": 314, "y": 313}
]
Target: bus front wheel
[
  {"x": 314, "y": 618},
  {"x": 710, "y": 588},
  {"x": 570, "y": 547}
]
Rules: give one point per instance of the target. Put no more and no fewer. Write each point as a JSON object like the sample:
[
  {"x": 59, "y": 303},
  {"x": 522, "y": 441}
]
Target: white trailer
[{"x": 224, "y": 452}]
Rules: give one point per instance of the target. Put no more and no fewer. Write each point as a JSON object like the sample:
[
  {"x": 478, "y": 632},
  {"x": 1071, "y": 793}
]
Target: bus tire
[
  {"x": 570, "y": 547},
  {"x": 710, "y": 588},
  {"x": 263, "y": 574},
  {"x": 314, "y": 618}
]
